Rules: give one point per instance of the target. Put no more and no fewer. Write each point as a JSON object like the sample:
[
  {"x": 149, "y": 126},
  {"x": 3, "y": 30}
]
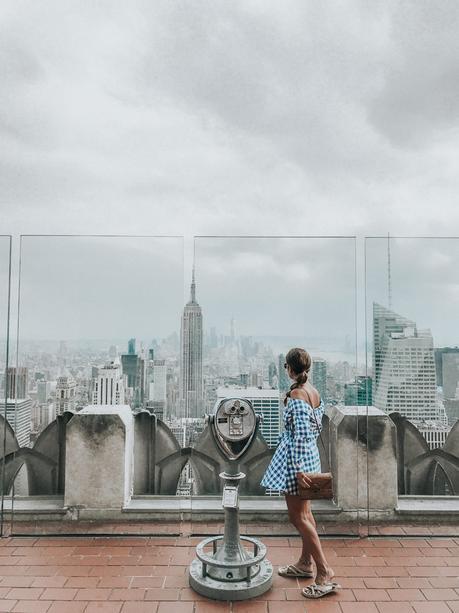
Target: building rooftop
[
  {"x": 148, "y": 574},
  {"x": 249, "y": 391}
]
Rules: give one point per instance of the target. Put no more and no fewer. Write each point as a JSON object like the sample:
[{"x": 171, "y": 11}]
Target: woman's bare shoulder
[
  {"x": 298, "y": 394},
  {"x": 309, "y": 394}
]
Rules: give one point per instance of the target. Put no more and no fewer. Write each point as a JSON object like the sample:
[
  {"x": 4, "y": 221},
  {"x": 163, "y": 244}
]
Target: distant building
[
  {"x": 65, "y": 395},
  {"x": 272, "y": 375},
  {"x": 404, "y": 368},
  {"x": 450, "y": 374},
  {"x": 284, "y": 381},
  {"x": 439, "y": 353},
  {"x": 157, "y": 386},
  {"x": 42, "y": 415},
  {"x": 18, "y": 404},
  {"x": 256, "y": 379},
  {"x": 191, "y": 375},
  {"x": 156, "y": 408},
  {"x": 43, "y": 391},
  {"x": 435, "y": 435},
  {"x": 264, "y": 401},
  {"x": 386, "y": 323},
  {"x": 319, "y": 377},
  {"x": 133, "y": 366},
  {"x": 17, "y": 382},
  {"x": 452, "y": 410},
  {"x": 359, "y": 392},
  {"x": 19, "y": 416},
  {"x": 244, "y": 379},
  {"x": 108, "y": 388}
]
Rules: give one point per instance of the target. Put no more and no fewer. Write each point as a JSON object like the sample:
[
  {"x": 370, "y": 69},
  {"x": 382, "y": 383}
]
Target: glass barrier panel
[
  {"x": 5, "y": 404},
  {"x": 412, "y": 299},
  {"x": 251, "y": 300},
  {"x": 97, "y": 380}
]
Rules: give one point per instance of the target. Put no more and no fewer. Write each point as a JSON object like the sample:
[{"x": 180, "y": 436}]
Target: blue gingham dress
[{"x": 297, "y": 450}]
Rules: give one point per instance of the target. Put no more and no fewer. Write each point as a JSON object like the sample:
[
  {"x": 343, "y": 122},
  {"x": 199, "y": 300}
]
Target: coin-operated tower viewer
[{"x": 224, "y": 569}]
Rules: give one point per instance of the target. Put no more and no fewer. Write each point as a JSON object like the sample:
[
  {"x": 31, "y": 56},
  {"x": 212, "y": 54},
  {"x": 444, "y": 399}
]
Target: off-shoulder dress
[{"x": 297, "y": 450}]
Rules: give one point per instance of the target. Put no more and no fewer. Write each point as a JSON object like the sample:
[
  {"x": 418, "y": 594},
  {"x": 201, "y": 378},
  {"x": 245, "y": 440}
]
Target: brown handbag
[{"x": 322, "y": 483}]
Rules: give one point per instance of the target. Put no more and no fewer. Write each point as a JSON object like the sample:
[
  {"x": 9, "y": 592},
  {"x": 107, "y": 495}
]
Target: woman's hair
[{"x": 300, "y": 362}]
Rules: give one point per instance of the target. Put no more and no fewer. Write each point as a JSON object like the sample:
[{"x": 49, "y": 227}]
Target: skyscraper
[
  {"x": 272, "y": 375},
  {"x": 65, "y": 395},
  {"x": 385, "y": 324},
  {"x": 359, "y": 392},
  {"x": 284, "y": 381},
  {"x": 108, "y": 387},
  {"x": 319, "y": 376},
  {"x": 18, "y": 404},
  {"x": 191, "y": 339},
  {"x": 17, "y": 382},
  {"x": 19, "y": 416},
  {"x": 133, "y": 366},
  {"x": 404, "y": 367},
  {"x": 450, "y": 374},
  {"x": 157, "y": 387}
]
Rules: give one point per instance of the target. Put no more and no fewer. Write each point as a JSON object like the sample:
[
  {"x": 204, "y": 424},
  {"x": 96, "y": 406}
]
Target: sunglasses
[{"x": 285, "y": 365}]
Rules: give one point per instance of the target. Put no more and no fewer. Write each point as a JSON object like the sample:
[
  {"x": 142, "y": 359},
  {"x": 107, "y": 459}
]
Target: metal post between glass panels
[{"x": 5, "y": 303}]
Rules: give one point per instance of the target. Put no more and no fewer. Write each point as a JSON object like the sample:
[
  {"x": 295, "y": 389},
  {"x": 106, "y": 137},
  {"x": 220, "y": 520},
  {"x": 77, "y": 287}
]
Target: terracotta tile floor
[{"x": 148, "y": 574}]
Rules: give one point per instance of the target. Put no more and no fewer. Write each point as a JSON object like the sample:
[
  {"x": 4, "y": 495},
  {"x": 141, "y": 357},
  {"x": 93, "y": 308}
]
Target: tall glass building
[
  {"x": 404, "y": 368},
  {"x": 319, "y": 377}
]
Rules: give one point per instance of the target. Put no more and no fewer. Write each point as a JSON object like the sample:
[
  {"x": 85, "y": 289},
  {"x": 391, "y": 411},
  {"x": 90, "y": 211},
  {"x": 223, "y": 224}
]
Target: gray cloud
[{"x": 416, "y": 105}]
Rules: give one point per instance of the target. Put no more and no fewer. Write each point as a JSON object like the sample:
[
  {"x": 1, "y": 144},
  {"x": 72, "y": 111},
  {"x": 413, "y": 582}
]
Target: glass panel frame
[
  {"x": 100, "y": 283},
  {"x": 5, "y": 316},
  {"x": 406, "y": 362},
  {"x": 232, "y": 273}
]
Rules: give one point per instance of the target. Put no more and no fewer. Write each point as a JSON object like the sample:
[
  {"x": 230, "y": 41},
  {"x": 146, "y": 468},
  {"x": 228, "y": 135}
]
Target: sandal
[
  {"x": 293, "y": 571},
  {"x": 317, "y": 590}
]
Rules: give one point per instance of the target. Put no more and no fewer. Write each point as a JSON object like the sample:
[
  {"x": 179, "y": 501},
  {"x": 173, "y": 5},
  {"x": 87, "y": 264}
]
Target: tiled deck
[{"x": 145, "y": 574}]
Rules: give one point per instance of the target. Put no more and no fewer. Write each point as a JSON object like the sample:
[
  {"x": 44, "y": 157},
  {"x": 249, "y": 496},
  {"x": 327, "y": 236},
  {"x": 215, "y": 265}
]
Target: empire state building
[{"x": 191, "y": 384}]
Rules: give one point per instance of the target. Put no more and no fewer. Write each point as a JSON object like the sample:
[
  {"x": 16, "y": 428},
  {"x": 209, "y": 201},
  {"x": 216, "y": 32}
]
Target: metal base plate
[{"x": 231, "y": 590}]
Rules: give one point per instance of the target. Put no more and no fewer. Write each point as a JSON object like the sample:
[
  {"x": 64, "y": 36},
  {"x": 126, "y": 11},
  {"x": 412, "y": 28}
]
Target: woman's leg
[
  {"x": 306, "y": 557},
  {"x": 305, "y": 561},
  {"x": 300, "y": 515}
]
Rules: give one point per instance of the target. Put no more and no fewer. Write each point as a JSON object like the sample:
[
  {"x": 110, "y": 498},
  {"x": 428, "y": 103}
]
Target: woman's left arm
[
  {"x": 301, "y": 434},
  {"x": 316, "y": 419}
]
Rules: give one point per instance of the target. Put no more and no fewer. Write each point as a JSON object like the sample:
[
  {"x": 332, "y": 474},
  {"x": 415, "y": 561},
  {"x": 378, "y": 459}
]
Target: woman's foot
[
  {"x": 302, "y": 568},
  {"x": 305, "y": 565},
  {"x": 292, "y": 570},
  {"x": 324, "y": 575}
]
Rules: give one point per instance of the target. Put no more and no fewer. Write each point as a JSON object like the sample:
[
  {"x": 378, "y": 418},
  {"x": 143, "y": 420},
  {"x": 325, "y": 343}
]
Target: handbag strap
[{"x": 317, "y": 424}]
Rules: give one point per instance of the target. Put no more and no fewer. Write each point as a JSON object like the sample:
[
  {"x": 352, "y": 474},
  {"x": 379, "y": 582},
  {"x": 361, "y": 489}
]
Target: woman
[{"x": 296, "y": 456}]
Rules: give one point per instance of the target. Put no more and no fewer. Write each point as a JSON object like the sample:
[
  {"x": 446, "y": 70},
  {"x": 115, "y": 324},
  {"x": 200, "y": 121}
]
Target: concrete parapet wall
[
  {"x": 363, "y": 458},
  {"x": 99, "y": 458}
]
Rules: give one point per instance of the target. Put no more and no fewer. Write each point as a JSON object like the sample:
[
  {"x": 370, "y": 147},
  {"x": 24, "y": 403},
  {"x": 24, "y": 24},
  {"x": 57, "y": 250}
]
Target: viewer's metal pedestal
[{"x": 230, "y": 571}]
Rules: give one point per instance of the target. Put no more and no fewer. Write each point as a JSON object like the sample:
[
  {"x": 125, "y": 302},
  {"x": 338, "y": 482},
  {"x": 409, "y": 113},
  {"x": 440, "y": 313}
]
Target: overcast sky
[
  {"x": 242, "y": 117},
  {"x": 229, "y": 117}
]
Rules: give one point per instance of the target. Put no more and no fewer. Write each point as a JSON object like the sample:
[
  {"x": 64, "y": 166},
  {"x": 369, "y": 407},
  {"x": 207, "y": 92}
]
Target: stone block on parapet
[
  {"x": 363, "y": 458},
  {"x": 99, "y": 457}
]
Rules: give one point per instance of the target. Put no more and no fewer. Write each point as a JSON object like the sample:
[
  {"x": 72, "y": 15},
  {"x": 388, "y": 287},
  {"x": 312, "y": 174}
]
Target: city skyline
[{"x": 60, "y": 300}]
